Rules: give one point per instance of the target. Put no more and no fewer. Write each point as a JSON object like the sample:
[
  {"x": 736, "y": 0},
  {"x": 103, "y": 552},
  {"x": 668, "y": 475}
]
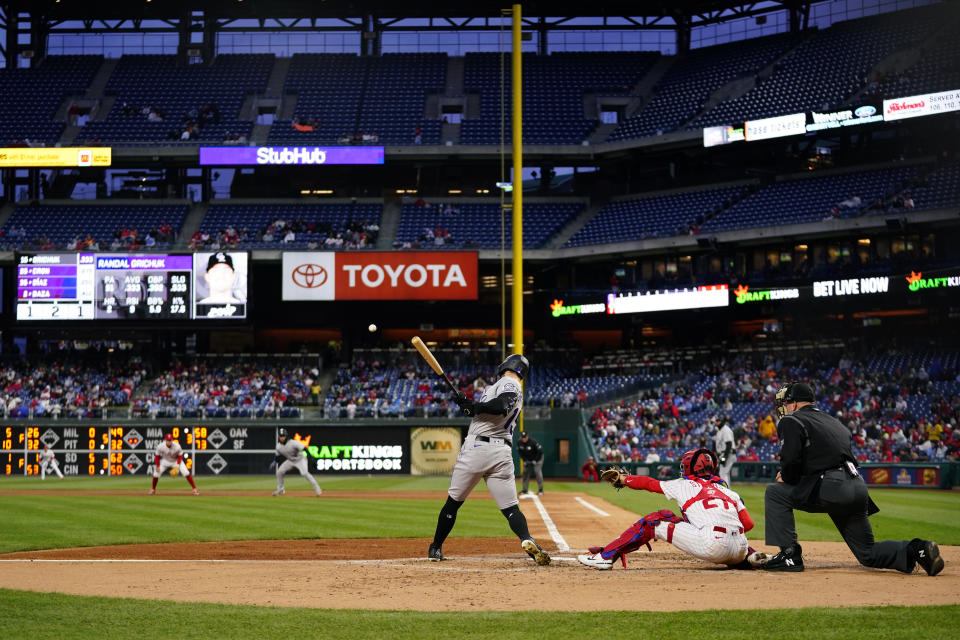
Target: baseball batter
[
  {"x": 48, "y": 462},
  {"x": 290, "y": 456},
  {"x": 487, "y": 453},
  {"x": 714, "y": 518},
  {"x": 169, "y": 457}
]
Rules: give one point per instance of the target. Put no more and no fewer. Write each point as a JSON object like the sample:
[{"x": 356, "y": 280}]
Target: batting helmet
[
  {"x": 516, "y": 363},
  {"x": 796, "y": 392},
  {"x": 169, "y": 436},
  {"x": 282, "y": 433},
  {"x": 699, "y": 463}
]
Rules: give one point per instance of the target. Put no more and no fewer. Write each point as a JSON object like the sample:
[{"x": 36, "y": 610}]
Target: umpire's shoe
[
  {"x": 434, "y": 554},
  {"x": 536, "y": 552},
  {"x": 927, "y": 554},
  {"x": 789, "y": 559}
]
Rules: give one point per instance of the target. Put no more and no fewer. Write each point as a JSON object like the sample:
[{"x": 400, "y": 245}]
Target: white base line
[
  {"x": 591, "y": 507},
  {"x": 551, "y": 528}
]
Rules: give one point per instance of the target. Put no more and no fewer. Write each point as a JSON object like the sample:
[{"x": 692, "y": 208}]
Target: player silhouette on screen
[{"x": 220, "y": 277}]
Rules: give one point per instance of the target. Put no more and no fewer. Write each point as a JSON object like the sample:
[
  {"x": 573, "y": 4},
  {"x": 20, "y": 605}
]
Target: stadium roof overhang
[{"x": 300, "y": 14}]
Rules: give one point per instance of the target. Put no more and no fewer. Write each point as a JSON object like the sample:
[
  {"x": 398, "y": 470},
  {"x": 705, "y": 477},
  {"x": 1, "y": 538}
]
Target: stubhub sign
[{"x": 226, "y": 156}]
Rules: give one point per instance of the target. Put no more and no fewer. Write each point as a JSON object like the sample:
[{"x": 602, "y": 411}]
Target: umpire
[
  {"x": 532, "y": 455},
  {"x": 818, "y": 474}
]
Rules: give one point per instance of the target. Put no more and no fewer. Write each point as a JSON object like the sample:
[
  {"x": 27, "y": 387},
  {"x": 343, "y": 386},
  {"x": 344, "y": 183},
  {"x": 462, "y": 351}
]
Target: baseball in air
[{"x": 372, "y": 328}]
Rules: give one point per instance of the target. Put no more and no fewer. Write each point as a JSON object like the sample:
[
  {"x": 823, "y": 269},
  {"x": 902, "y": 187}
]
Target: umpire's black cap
[{"x": 800, "y": 392}]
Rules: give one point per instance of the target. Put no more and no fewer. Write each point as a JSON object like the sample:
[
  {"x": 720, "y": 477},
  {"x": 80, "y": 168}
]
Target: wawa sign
[{"x": 380, "y": 275}]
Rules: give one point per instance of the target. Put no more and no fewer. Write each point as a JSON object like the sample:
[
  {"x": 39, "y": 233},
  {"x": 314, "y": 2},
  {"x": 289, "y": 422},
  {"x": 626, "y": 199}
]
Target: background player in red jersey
[{"x": 169, "y": 455}]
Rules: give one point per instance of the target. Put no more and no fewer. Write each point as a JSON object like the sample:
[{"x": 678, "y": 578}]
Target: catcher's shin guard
[{"x": 641, "y": 533}]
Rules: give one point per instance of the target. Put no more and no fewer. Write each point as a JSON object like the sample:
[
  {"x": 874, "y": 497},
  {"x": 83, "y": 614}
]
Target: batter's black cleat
[
  {"x": 434, "y": 554},
  {"x": 788, "y": 559},
  {"x": 927, "y": 555}
]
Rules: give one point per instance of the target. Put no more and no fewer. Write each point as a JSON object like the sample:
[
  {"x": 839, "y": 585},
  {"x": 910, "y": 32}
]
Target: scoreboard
[
  {"x": 115, "y": 450},
  {"x": 108, "y": 286}
]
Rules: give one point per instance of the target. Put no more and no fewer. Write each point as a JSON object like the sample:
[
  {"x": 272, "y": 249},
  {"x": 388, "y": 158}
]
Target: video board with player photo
[{"x": 220, "y": 284}]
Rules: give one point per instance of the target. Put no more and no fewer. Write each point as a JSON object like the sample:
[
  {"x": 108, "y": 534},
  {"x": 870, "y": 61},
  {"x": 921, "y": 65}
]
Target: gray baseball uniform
[
  {"x": 47, "y": 461},
  {"x": 292, "y": 450},
  {"x": 721, "y": 439},
  {"x": 486, "y": 452}
]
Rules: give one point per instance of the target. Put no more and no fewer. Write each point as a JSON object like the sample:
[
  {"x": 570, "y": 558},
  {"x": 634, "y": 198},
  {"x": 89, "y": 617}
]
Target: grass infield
[
  {"x": 63, "y": 617},
  {"x": 43, "y": 521}
]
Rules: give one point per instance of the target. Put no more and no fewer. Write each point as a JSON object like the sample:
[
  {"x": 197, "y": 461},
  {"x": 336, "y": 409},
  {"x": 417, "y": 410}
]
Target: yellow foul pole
[{"x": 517, "y": 121}]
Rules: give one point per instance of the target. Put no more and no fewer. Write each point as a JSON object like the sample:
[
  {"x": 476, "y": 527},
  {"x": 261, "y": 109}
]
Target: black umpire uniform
[
  {"x": 818, "y": 474},
  {"x": 531, "y": 452}
]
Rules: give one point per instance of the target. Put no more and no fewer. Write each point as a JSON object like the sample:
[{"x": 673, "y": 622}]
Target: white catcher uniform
[
  {"x": 292, "y": 451},
  {"x": 168, "y": 458},
  {"x": 713, "y": 530},
  {"x": 48, "y": 462},
  {"x": 724, "y": 436},
  {"x": 486, "y": 452}
]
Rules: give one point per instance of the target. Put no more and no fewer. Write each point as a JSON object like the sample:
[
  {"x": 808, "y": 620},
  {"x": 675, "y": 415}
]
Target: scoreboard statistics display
[
  {"x": 112, "y": 286},
  {"x": 213, "y": 449},
  {"x": 93, "y": 450}
]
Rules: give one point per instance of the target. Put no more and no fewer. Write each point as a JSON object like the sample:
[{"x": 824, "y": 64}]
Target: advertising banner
[
  {"x": 927, "y": 104},
  {"x": 714, "y": 295},
  {"x": 351, "y": 450},
  {"x": 793, "y": 124},
  {"x": 55, "y": 157},
  {"x": 434, "y": 450},
  {"x": 380, "y": 275},
  {"x": 224, "y": 156}
]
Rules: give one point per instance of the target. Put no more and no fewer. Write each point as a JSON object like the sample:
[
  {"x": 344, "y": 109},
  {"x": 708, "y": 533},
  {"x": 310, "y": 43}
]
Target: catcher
[
  {"x": 169, "y": 455},
  {"x": 711, "y": 526}
]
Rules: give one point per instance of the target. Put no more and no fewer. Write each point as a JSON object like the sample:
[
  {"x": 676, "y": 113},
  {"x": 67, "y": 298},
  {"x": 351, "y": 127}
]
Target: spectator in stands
[
  {"x": 590, "y": 470},
  {"x": 296, "y": 124},
  {"x": 417, "y": 135},
  {"x": 73, "y": 113},
  {"x": 289, "y": 237},
  {"x": 209, "y": 114},
  {"x": 908, "y": 201},
  {"x": 652, "y": 457},
  {"x": 128, "y": 109},
  {"x": 853, "y": 201}
]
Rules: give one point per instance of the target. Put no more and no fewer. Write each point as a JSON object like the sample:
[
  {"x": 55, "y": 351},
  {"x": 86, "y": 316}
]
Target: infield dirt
[{"x": 480, "y": 575}]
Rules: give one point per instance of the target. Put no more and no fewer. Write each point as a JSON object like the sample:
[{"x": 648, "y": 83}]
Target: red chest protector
[{"x": 708, "y": 492}]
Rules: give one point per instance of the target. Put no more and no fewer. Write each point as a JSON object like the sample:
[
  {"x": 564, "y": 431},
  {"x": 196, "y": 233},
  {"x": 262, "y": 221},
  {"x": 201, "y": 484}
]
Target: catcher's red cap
[{"x": 169, "y": 436}]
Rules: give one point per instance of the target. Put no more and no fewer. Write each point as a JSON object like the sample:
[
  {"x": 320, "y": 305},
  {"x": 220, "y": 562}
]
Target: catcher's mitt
[
  {"x": 174, "y": 472},
  {"x": 615, "y": 476}
]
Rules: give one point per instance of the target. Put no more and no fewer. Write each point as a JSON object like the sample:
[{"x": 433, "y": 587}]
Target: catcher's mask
[
  {"x": 698, "y": 462},
  {"x": 796, "y": 392}
]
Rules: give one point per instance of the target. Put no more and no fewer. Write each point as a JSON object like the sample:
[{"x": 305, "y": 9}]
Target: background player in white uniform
[
  {"x": 290, "y": 456},
  {"x": 487, "y": 453},
  {"x": 168, "y": 456},
  {"x": 47, "y": 461},
  {"x": 712, "y": 527},
  {"x": 726, "y": 450}
]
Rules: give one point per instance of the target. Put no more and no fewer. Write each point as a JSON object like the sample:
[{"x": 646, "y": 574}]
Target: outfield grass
[
  {"x": 51, "y": 521},
  {"x": 62, "y": 617}
]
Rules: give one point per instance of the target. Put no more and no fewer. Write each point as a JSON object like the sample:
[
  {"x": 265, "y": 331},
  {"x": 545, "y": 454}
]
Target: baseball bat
[{"x": 432, "y": 361}]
